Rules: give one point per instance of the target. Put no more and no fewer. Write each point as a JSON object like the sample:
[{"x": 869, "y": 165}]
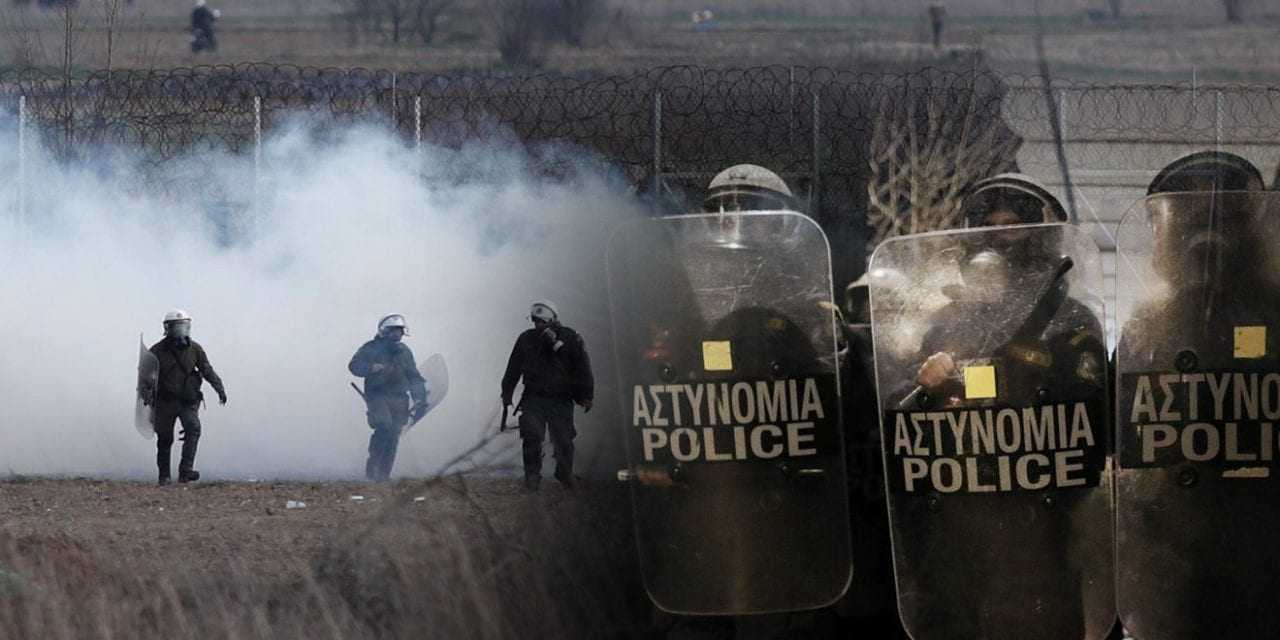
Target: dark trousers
[
  {"x": 388, "y": 414},
  {"x": 167, "y": 413},
  {"x": 539, "y": 416}
]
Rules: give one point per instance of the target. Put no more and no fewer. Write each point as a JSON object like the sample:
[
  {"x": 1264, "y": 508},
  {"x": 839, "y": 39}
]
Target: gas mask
[{"x": 180, "y": 329}]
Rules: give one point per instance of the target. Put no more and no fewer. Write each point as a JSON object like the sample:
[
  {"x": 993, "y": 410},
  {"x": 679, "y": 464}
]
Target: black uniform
[
  {"x": 183, "y": 369},
  {"x": 386, "y": 394},
  {"x": 1060, "y": 359},
  {"x": 202, "y": 38},
  {"x": 554, "y": 378}
]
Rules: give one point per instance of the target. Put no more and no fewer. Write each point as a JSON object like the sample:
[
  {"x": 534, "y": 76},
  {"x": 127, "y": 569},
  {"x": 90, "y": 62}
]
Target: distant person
[
  {"x": 703, "y": 21},
  {"x": 937, "y": 13},
  {"x": 183, "y": 369},
  {"x": 391, "y": 378},
  {"x": 552, "y": 359},
  {"x": 202, "y": 19}
]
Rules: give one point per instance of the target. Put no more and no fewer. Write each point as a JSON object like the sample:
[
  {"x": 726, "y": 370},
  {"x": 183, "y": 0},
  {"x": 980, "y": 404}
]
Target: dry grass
[{"x": 474, "y": 559}]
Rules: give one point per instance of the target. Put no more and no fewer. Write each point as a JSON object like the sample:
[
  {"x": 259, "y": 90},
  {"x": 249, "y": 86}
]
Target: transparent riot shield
[
  {"x": 436, "y": 374},
  {"x": 1197, "y": 404},
  {"x": 724, "y": 337},
  {"x": 145, "y": 399},
  {"x": 991, "y": 372}
]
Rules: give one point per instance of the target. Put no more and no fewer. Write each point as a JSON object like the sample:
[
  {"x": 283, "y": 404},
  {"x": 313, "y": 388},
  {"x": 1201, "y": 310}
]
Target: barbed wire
[
  {"x": 667, "y": 128},
  {"x": 707, "y": 117}
]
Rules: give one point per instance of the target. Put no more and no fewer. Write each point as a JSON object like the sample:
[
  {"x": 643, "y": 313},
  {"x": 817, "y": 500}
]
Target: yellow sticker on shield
[
  {"x": 979, "y": 382},
  {"x": 717, "y": 356},
  {"x": 1251, "y": 342}
]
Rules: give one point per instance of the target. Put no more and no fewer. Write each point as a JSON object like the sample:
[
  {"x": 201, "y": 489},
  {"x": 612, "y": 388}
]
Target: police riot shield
[
  {"x": 436, "y": 374},
  {"x": 1197, "y": 404},
  {"x": 991, "y": 372},
  {"x": 725, "y": 347},
  {"x": 145, "y": 399}
]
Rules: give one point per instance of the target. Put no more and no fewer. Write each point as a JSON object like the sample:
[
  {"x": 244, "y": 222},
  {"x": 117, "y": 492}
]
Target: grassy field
[
  {"x": 1157, "y": 40},
  {"x": 452, "y": 558}
]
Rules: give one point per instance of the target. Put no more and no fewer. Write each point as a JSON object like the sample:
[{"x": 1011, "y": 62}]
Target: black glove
[
  {"x": 586, "y": 405},
  {"x": 222, "y": 397},
  {"x": 418, "y": 411}
]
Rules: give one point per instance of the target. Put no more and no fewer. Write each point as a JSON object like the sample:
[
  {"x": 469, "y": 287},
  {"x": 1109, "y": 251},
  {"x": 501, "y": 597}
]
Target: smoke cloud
[{"x": 286, "y": 274}]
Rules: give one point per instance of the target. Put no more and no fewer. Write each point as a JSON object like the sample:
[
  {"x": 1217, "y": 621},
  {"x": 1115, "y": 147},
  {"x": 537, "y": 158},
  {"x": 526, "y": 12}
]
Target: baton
[
  {"x": 357, "y": 389},
  {"x": 1040, "y": 313},
  {"x": 503, "y": 425}
]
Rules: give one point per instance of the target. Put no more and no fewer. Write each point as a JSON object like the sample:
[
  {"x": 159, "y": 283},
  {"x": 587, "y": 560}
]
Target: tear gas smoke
[{"x": 286, "y": 276}]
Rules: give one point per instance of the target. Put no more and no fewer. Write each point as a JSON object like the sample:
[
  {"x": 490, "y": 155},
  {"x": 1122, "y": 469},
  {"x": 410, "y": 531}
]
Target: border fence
[{"x": 669, "y": 129}]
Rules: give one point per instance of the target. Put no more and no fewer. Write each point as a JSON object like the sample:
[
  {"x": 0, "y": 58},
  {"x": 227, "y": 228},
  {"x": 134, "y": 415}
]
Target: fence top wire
[{"x": 708, "y": 115}]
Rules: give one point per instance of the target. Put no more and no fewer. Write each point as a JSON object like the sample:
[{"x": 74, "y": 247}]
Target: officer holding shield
[
  {"x": 183, "y": 368},
  {"x": 391, "y": 379},
  {"x": 1196, "y": 481},
  {"x": 995, "y": 441},
  {"x": 1075, "y": 335}
]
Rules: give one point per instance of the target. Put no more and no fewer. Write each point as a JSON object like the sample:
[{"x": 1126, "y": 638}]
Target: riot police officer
[
  {"x": 746, "y": 513},
  {"x": 183, "y": 369},
  {"x": 748, "y": 187},
  {"x": 391, "y": 379},
  {"x": 552, "y": 360},
  {"x": 1206, "y": 232},
  {"x": 986, "y": 558}
]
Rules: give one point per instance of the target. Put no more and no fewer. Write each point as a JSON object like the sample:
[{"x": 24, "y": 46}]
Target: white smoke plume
[{"x": 286, "y": 275}]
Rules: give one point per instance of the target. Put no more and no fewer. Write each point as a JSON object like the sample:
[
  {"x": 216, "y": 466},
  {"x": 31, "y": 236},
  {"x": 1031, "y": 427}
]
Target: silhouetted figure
[
  {"x": 202, "y": 19},
  {"x": 937, "y": 13}
]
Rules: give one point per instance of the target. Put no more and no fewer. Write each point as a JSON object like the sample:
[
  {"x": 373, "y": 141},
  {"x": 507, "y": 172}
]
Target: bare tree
[
  {"x": 394, "y": 12},
  {"x": 426, "y": 18},
  {"x": 395, "y": 20},
  {"x": 924, "y": 154},
  {"x": 1235, "y": 10},
  {"x": 520, "y": 33},
  {"x": 110, "y": 15},
  {"x": 571, "y": 19}
]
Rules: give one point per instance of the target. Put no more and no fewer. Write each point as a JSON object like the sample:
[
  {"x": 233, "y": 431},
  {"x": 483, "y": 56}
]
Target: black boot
[
  {"x": 531, "y": 483},
  {"x": 190, "y": 475},
  {"x": 164, "y": 479}
]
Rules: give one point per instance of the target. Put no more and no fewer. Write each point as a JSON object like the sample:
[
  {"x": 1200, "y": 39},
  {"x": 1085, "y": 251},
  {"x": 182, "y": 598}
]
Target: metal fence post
[
  {"x": 791, "y": 105},
  {"x": 1217, "y": 121},
  {"x": 816, "y": 202},
  {"x": 257, "y": 143},
  {"x": 657, "y": 145},
  {"x": 22, "y": 158},
  {"x": 417, "y": 122}
]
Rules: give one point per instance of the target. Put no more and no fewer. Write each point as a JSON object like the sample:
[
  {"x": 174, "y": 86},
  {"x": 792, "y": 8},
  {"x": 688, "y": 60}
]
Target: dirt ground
[
  {"x": 203, "y": 526},
  {"x": 473, "y": 557},
  {"x": 211, "y": 527}
]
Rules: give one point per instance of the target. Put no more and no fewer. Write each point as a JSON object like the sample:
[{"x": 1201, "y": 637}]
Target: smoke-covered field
[
  {"x": 286, "y": 264},
  {"x": 286, "y": 276}
]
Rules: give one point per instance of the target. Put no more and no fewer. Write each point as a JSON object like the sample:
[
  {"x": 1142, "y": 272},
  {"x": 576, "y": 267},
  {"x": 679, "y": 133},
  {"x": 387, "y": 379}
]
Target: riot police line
[
  {"x": 1034, "y": 483},
  {"x": 1037, "y": 484}
]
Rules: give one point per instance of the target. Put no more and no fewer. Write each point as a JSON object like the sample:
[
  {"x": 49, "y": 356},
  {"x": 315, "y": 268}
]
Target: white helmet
[
  {"x": 748, "y": 187},
  {"x": 177, "y": 323},
  {"x": 390, "y": 322},
  {"x": 543, "y": 310}
]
